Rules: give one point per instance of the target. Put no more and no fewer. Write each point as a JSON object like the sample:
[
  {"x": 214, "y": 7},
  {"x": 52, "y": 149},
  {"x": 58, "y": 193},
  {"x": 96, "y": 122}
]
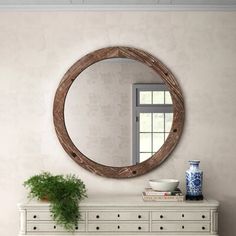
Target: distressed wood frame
[{"x": 126, "y": 171}]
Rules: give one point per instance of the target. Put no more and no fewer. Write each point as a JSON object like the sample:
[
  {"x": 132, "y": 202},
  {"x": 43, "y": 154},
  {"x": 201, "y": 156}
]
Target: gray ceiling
[{"x": 155, "y": 4}]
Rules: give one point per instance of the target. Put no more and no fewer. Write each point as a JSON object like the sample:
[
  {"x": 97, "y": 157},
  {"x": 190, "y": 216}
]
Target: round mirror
[
  {"x": 118, "y": 112},
  {"x": 105, "y": 93}
]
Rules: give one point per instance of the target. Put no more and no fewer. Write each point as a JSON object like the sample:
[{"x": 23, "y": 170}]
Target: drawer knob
[
  {"x": 203, "y": 216},
  {"x": 34, "y": 216},
  {"x": 97, "y": 228},
  {"x": 54, "y": 227},
  {"x": 35, "y": 228},
  {"x": 139, "y": 216},
  {"x": 97, "y": 216},
  {"x": 139, "y": 228},
  {"x": 76, "y": 227},
  {"x": 203, "y": 228},
  {"x": 118, "y": 227},
  {"x": 182, "y": 226},
  {"x": 118, "y": 215},
  {"x": 161, "y": 228},
  {"x": 182, "y": 215},
  {"x": 161, "y": 216}
]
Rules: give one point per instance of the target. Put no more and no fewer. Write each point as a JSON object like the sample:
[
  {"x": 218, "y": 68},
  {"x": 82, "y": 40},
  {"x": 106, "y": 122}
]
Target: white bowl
[{"x": 164, "y": 185}]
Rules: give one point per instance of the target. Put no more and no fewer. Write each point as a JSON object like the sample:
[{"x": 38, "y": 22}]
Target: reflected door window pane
[
  {"x": 158, "y": 122},
  {"x": 145, "y": 120},
  {"x": 158, "y": 97},
  {"x": 145, "y": 97},
  {"x": 145, "y": 142},
  {"x": 168, "y": 121},
  {"x": 158, "y": 141},
  {"x": 144, "y": 156},
  {"x": 168, "y": 99}
]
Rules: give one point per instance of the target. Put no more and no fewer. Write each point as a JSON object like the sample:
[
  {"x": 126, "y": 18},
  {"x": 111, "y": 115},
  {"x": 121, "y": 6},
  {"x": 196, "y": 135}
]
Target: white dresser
[{"x": 126, "y": 215}]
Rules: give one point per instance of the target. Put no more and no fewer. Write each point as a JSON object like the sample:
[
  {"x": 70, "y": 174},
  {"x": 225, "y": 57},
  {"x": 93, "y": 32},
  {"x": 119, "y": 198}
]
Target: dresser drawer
[
  {"x": 49, "y": 227},
  {"x": 118, "y": 215},
  {"x": 181, "y": 226},
  {"x": 116, "y": 227},
  {"x": 180, "y": 215},
  {"x": 44, "y": 215}
]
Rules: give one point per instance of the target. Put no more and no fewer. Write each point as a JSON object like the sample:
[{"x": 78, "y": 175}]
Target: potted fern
[{"x": 64, "y": 194}]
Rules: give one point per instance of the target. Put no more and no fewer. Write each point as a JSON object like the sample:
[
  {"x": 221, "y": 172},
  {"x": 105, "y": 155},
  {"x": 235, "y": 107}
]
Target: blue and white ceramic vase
[{"x": 194, "y": 179}]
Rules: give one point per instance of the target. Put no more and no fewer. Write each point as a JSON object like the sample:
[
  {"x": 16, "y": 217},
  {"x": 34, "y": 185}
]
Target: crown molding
[{"x": 106, "y": 7}]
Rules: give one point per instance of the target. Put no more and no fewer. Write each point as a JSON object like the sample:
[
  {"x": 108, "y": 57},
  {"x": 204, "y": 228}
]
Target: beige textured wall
[{"x": 37, "y": 48}]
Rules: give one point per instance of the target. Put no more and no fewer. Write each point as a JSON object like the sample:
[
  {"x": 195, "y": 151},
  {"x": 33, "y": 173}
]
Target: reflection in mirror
[
  {"x": 152, "y": 119},
  {"x": 104, "y": 112}
]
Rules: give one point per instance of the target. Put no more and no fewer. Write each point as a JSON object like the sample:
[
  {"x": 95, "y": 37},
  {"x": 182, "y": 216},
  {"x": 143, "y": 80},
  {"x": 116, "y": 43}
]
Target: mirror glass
[{"x": 113, "y": 118}]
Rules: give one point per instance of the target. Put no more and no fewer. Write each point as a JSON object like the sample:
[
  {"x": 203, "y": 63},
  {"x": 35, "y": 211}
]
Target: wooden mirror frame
[{"x": 126, "y": 171}]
